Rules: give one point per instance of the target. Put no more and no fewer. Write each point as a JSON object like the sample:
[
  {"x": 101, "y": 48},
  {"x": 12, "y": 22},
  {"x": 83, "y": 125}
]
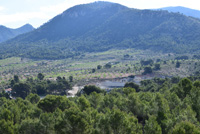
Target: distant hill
[
  {"x": 183, "y": 10},
  {"x": 101, "y": 26},
  {"x": 8, "y": 33}
]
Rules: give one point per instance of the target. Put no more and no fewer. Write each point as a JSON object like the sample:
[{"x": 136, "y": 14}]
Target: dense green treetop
[{"x": 161, "y": 106}]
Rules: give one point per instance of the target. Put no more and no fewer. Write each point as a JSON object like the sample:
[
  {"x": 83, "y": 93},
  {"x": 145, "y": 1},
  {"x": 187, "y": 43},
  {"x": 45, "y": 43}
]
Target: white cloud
[
  {"x": 22, "y": 17},
  {"x": 44, "y": 13},
  {"x": 2, "y": 8},
  {"x": 59, "y": 8}
]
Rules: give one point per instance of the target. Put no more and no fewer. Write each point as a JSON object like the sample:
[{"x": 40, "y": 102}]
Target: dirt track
[{"x": 72, "y": 93}]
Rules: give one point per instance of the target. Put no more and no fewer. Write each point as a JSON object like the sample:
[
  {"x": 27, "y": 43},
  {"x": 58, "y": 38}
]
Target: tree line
[
  {"x": 157, "y": 106},
  {"x": 39, "y": 86}
]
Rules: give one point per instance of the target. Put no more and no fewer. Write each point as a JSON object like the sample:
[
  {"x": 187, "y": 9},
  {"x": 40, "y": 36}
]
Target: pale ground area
[{"x": 72, "y": 93}]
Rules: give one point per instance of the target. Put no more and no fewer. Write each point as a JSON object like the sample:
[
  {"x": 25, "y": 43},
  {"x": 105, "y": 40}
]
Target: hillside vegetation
[
  {"x": 170, "y": 108},
  {"x": 183, "y": 10},
  {"x": 8, "y": 33},
  {"x": 103, "y": 26}
]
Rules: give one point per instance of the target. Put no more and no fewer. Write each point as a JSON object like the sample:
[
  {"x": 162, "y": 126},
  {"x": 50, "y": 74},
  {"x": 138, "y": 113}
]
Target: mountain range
[
  {"x": 183, "y": 10},
  {"x": 102, "y": 26},
  {"x": 8, "y": 33}
]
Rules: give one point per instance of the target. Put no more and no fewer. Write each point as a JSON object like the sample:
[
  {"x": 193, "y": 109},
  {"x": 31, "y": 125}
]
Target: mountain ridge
[
  {"x": 184, "y": 10},
  {"x": 8, "y": 33},
  {"x": 102, "y": 26}
]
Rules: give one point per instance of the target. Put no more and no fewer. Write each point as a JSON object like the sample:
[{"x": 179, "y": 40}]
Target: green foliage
[
  {"x": 132, "y": 85},
  {"x": 40, "y": 76},
  {"x": 93, "y": 70},
  {"x": 186, "y": 85},
  {"x": 16, "y": 78},
  {"x": 95, "y": 100},
  {"x": 46, "y": 120},
  {"x": 70, "y": 78},
  {"x": 30, "y": 126},
  {"x": 184, "y": 57},
  {"x": 91, "y": 88},
  {"x": 99, "y": 67},
  {"x": 126, "y": 56},
  {"x": 197, "y": 84},
  {"x": 108, "y": 65},
  {"x": 152, "y": 127},
  {"x": 121, "y": 110},
  {"x": 116, "y": 121},
  {"x": 21, "y": 90},
  {"x": 83, "y": 103},
  {"x": 74, "y": 121},
  {"x": 156, "y": 84},
  {"x": 40, "y": 86},
  {"x": 175, "y": 79},
  {"x": 4, "y": 94},
  {"x": 33, "y": 98},
  {"x": 178, "y": 64},
  {"x": 186, "y": 128},
  {"x": 157, "y": 67},
  {"x": 6, "y": 127},
  {"x": 147, "y": 62},
  {"x": 50, "y": 103},
  {"x": 128, "y": 90},
  {"x": 183, "y": 88},
  {"x": 147, "y": 70}
]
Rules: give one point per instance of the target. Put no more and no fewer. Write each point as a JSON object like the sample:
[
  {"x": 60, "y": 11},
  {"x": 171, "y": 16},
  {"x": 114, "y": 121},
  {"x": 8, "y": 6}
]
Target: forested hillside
[
  {"x": 8, "y": 33},
  {"x": 103, "y": 26},
  {"x": 183, "y": 10},
  {"x": 171, "y": 107}
]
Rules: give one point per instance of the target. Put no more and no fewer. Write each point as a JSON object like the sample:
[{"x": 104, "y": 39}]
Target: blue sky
[{"x": 15, "y": 13}]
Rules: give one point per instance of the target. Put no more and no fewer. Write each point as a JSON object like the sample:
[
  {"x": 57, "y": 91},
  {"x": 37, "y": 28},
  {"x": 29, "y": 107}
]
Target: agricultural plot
[{"x": 123, "y": 63}]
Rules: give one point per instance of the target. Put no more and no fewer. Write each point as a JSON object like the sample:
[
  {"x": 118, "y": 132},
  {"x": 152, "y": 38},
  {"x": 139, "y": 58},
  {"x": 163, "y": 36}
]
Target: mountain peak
[
  {"x": 83, "y": 9},
  {"x": 101, "y": 4},
  {"x": 101, "y": 26},
  {"x": 27, "y": 26},
  {"x": 8, "y": 33}
]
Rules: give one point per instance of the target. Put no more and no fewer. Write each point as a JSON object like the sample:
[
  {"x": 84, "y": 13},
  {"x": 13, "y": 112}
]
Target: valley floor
[{"x": 84, "y": 70}]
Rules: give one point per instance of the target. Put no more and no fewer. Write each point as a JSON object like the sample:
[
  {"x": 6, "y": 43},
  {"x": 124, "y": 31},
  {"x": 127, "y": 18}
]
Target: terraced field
[{"x": 84, "y": 68}]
